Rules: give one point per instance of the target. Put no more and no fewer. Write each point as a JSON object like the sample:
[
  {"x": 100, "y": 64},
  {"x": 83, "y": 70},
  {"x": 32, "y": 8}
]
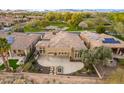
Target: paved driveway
[{"x": 68, "y": 66}]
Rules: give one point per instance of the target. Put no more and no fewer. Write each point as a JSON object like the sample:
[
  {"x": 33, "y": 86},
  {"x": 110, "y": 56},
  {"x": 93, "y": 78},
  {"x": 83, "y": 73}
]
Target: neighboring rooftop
[
  {"x": 96, "y": 40},
  {"x": 21, "y": 40},
  {"x": 49, "y": 35}
]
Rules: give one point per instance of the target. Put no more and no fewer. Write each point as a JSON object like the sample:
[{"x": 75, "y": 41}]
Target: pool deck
[{"x": 68, "y": 66}]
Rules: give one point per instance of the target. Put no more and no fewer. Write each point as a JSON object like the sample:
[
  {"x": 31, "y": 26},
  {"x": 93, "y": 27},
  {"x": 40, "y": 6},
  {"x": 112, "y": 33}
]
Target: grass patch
[
  {"x": 59, "y": 24},
  {"x": 120, "y": 37},
  {"x": 72, "y": 28},
  {"x": 35, "y": 29},
  {"x": 2, "y": 67},
  {"x": 13, "y": 63}
]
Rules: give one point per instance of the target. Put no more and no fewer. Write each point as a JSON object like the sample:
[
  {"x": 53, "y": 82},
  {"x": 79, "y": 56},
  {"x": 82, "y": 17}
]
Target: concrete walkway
[{"x": 68, "y": 66}]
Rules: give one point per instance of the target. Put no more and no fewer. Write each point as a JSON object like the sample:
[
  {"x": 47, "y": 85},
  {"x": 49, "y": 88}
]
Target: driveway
[{"x": 68, "y": 66}]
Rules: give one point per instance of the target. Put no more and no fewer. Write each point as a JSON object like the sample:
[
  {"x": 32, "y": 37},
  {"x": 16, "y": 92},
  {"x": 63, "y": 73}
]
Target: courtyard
[{"x": 68, "y": 67}]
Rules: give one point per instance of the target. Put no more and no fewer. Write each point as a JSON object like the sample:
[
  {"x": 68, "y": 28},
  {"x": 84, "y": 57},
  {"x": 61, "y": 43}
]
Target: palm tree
[{"x": 4, "y": 48}]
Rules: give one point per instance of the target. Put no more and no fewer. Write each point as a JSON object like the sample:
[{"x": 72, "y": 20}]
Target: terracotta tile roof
[
  {"x": 64, "y": 40},
  {"x": 21, "y": 40},
  {"x": 48, "y": 35},
  {"x": 43, "y": 43},
  {"x": 96, "y": 40}
]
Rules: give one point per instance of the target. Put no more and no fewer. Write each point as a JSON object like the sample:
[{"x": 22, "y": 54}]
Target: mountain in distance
[
  {"x": 87, "y": 10},
  {"x": 63, "y": 10}
]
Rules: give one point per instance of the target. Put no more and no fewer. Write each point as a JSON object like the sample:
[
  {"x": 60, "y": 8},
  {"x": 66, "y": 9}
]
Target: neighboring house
[
  {"x": 21, "y": 43},
  {"x": 6, "y": 20},
  {"x": 61, "y": 44},
  {"x": 96, "y": 40}
]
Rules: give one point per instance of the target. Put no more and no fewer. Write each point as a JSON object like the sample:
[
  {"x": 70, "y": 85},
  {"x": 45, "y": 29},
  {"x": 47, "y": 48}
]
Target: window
[{"x": 59, "y": 70}]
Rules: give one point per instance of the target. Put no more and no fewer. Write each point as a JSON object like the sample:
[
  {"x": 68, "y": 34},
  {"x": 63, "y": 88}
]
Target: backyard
[{"x": 68, "y": 67}]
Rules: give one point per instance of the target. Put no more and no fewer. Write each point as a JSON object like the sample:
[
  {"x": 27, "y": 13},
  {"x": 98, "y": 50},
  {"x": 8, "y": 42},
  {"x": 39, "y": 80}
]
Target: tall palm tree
[{"x": 4, "y": 48}]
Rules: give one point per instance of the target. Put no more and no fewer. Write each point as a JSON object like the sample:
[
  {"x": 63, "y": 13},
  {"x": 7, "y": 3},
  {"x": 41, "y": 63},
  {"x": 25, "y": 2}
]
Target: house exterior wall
[{"x": 71, "y": 53}]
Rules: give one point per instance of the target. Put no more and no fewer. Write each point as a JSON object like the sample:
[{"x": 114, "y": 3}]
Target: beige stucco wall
[
  {"x": 66, "y": 52},
  {"x": 58, "y": 51}
]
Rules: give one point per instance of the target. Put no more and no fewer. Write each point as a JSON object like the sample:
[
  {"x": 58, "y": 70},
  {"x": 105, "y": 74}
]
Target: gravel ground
[{"x": 34, "y": 78}]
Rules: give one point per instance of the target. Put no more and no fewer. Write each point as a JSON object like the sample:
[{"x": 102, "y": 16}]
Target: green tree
[
  {"x": 103, "y": 54},
  {"x": 4, "y": 48},
  {"x": 59, "y": 16},
  {"x": 100, "y": 29},
  {"x": 76, "y": 18},
  {"x": 88, "y": 58},
  {"x": 119, "y": 27},
  {"x": 119, "y": 17},
  {"x": 35, "y": 26},
  {"x": 98, "y": 55},
  {"x": 90, "y": 23},
  {"x": 50, "y": 16},
  {"x": 67, "y": 16}
]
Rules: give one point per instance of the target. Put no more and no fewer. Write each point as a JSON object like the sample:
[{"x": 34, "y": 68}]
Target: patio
[{"x": 68, "y": 67}]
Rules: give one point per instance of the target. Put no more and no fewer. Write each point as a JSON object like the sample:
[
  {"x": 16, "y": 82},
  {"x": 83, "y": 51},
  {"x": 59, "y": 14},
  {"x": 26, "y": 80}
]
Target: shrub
[{"x": 100, "y": 29}]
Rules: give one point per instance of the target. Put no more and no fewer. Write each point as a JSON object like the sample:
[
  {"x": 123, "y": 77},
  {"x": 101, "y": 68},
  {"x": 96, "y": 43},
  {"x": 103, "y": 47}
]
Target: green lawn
[
  {"x": 72, "y": 28},
  {"x": 2, "y": 67},
  {"x": 12, "y": 63},
  {"x": 59, "y": 24},
  {"x": 120, "y": 36},
  {"x": 31, "y": 29}
]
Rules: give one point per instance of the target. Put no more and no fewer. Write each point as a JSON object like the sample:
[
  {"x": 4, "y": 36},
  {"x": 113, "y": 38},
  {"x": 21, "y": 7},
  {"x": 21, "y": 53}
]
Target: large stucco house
[{"x": 61, "y": 44}]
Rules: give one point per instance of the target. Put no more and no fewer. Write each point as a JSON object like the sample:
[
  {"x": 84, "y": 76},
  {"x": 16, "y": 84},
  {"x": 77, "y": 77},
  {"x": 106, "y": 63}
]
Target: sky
[{"x": 61, "y": 4}]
